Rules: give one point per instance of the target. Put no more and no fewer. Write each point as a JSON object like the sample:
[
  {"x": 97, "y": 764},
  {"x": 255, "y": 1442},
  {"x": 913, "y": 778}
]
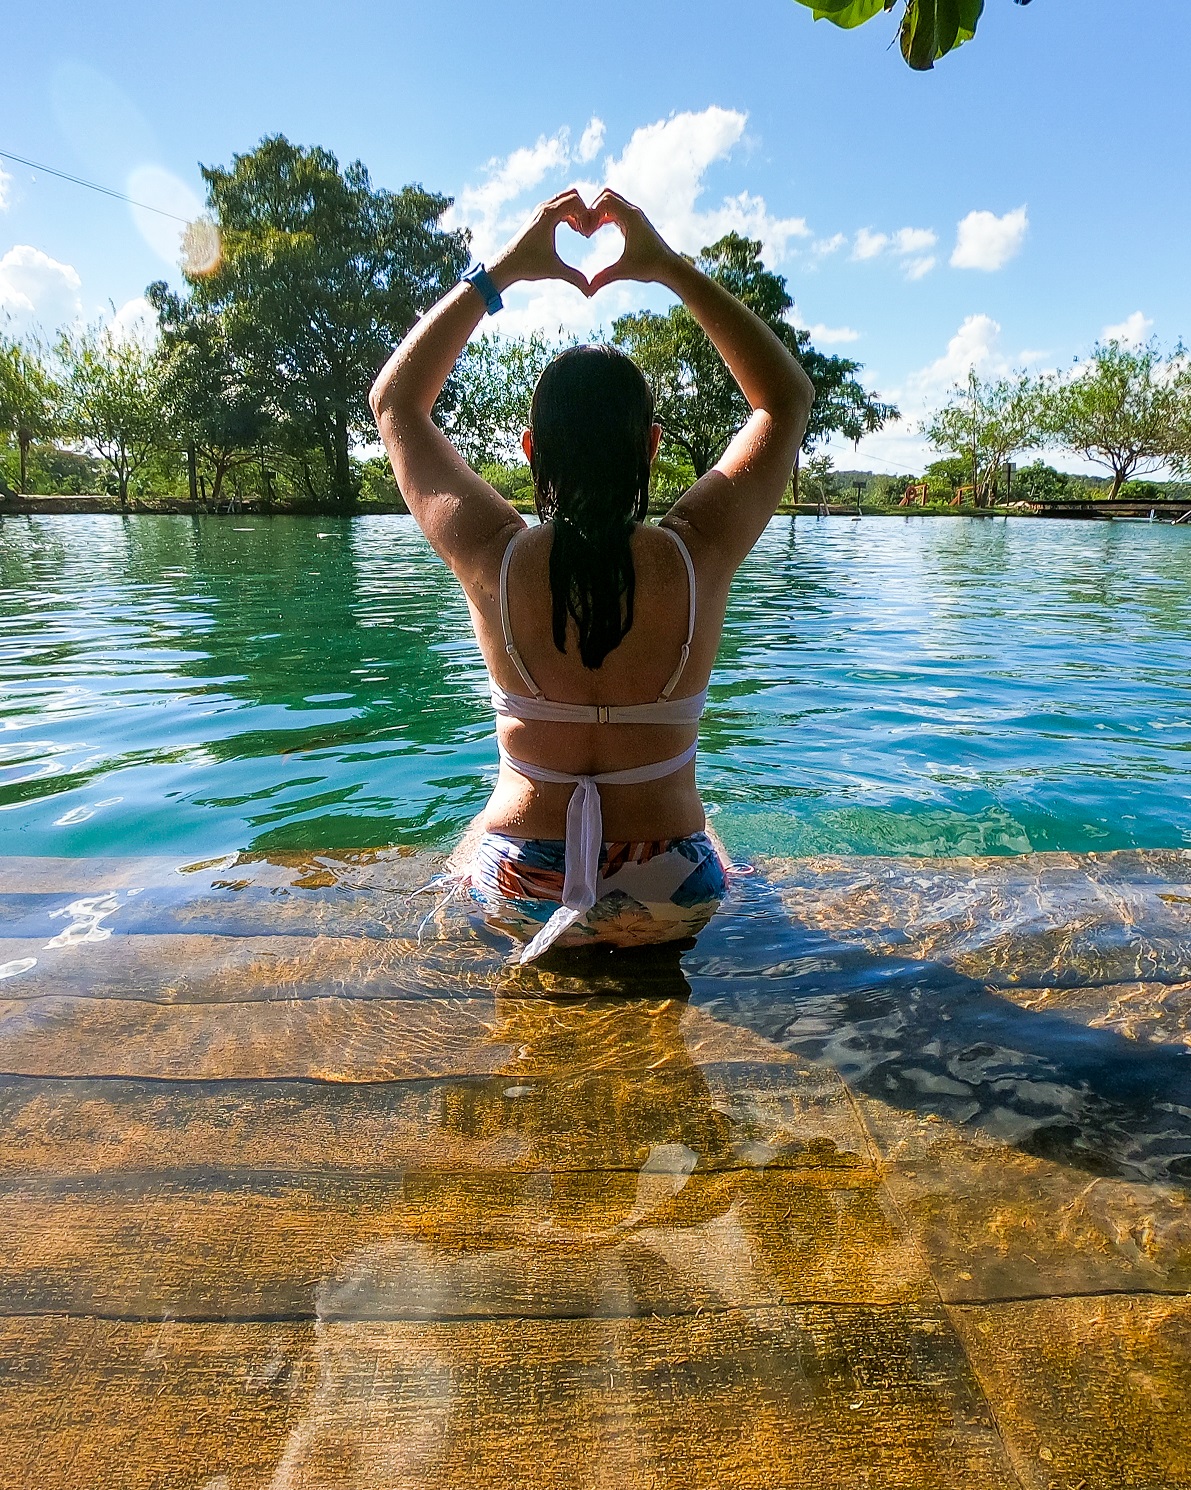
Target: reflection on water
[
  {"x": 843, "y": 1195},
  {"x": 187, "y": 686}
]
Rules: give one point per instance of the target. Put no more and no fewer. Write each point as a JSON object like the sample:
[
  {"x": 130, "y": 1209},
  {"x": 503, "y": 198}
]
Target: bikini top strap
[
  {"x": 690, "y": 625},
  {"x": 506, "y": 624}
]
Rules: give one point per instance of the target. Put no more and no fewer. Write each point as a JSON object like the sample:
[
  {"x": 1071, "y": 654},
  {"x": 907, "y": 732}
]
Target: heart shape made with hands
[{"x": 589, "y": 252}]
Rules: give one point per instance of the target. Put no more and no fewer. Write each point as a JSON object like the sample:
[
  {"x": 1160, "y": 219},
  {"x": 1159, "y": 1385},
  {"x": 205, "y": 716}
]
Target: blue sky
[{"x": 1058, "y": 138}]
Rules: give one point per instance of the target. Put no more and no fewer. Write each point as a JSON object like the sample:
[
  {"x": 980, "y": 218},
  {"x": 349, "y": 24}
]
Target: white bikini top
[
  {"x": 585, "y": 819},
  {"x": 663, "y": 710}
]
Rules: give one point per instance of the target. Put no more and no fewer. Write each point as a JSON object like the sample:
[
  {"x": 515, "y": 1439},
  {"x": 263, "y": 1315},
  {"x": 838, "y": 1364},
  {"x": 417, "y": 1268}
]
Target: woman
[{"x": 598, "y": 629}]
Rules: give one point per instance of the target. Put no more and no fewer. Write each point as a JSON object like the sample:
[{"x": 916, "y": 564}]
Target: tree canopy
[
  {"x": 319, "y": 276},
  {"x": 111, "y": 399},
  {"x": 986, "y": 422},
  {"x": 485, "y": 405},
  {"x": 210, "y": 399},
  {"x": 29, "y": 399},
  {"x": 928, "y": 29},
  {"x": 699, "y": 405},
  {"x": 1127, "y": 408}
]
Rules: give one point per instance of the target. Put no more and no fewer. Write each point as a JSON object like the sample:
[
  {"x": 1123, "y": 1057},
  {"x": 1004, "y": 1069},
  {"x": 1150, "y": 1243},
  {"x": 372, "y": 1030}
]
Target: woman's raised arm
[
  {"x": 727, "y": 509},
  {"x": 464, "y": 517}
]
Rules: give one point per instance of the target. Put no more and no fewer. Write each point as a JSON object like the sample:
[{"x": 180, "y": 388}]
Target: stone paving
[{"x": 886, "y": 1184}]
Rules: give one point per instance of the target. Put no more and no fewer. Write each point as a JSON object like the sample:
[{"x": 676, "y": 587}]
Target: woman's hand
[
  {"x": 532, "y": 254},
  {"x": 647, "y": 257}
]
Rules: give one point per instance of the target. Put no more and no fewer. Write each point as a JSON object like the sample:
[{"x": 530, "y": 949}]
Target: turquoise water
[{"x": 887, "y": 686}]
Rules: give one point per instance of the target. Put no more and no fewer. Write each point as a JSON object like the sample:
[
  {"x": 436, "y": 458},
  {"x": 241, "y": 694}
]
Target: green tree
[
  {"x": 210, "y": 401},
  {"x": 820, "y": 480},
  {"x": 928, "y": 29},
  {"x": 1127, "y": 408},
  {"x": 699, "y": 405},
  {"x": 111, "y": 399},
  {"x": 319, "y": 276},
  {"x": 1041, "y": 483},
  {"x": 29, "y": 400},
  {"x": 698, "y": 411},
  {"x": 951, "y": 471},
  {"x": 485, "y": 405},
  {"x": 986, "y": 423}
]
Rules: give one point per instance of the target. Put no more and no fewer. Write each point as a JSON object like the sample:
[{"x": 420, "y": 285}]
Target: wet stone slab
[
  {"x": 886, "y": 1182},
  {"x": 661, "y": 1240},
  {"x": 1038, "y": 921},
  {"x": 1090, "y": 1392},
  {"x": 730, "y": 1115},
  {"x": 994, "y": 1222},
  {"x": 835, "y": 1397}
]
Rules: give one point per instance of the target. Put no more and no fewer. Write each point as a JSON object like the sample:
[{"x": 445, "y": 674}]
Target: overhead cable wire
[
  {"x": 881, "y": 461},
  {"x": 91, "y": 186}
]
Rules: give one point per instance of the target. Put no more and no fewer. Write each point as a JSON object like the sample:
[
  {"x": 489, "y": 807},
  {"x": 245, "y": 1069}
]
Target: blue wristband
[{"x": 478, "y": 278}]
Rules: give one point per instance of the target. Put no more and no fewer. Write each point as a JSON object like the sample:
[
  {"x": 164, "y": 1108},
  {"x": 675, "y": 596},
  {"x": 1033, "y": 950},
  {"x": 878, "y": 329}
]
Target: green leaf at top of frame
[
  {"x": 932, "y": 28},
  {"x": 847, "y": 13}
]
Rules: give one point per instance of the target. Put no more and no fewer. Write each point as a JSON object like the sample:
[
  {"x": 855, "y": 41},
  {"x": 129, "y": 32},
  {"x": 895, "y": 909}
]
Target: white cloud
[
  {"x": 985, "y": 241},
  {"x": 136, "y": 320},
  {"x": 914, "y": 240},
  {"x": 482, "y": 208},
  {"x": 1131, "y": 332},
  {"x": 901, "y": 447},
  {"x": 663, "y": 165},
  {"x": 911, "y": 246},
  {"x": 869, "y": 245},
  {"x": 822, "y": 247},
  {"x": 975, "y": 345},
  {"x": 822, "y": 335},
  {"x": 37, "y": 292},
  {"x": 662, "y": 169},
  {"x": 557, "y": 310},
  {"x": 5, "y": 188},
  {"x": 591, "y": 141},
  {"x": 832, "y": 336}
]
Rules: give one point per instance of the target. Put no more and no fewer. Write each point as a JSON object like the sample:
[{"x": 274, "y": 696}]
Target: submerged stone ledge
[{"x": 886, "y": 1180}]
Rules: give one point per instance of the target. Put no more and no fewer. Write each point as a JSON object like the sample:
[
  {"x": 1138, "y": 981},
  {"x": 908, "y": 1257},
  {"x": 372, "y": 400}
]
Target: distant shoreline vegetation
[
  {"x": 303, "y": 276},
  {"x": 1037, "y": 490}
]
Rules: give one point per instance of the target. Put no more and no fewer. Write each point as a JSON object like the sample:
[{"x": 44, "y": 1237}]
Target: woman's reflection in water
[{"x": 619, "y": 1195}]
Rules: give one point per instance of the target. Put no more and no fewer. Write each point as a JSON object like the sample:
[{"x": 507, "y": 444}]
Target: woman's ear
[
  {"x": 655, "y": 439},
  {"x": 527, "y": 446}
]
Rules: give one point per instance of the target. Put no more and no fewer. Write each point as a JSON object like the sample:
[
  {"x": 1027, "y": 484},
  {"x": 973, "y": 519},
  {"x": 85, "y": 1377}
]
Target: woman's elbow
[
  {"x": 793, "y": 405},
  {"x": 378, "y": 396},
  {"x": 802, "y": 390}
]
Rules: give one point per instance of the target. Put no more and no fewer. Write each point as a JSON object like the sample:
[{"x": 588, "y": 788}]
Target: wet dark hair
[{"x": 591, "y": 418}]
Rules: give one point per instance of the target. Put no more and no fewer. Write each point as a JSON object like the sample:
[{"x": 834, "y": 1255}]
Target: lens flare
[{"x": 202, "y": 249}]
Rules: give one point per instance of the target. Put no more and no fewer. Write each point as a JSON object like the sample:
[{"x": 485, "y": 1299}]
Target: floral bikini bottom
[{"x": 648, "y": 892}]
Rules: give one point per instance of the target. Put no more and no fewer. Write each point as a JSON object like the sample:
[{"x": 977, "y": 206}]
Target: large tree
[
  {"x": 986, "y": 422},
  {"x": 210, "y": 400},
  {"x": 485, "y": 405},
  {"x": 111, "y": 399},
  {"x": 1127, "y": 408},
  {"x": 699, "y": 405},
  {"x": 319, "y": 275},
  {"x": 928, "y": 29},
  {"x": 29, "y": 400}
]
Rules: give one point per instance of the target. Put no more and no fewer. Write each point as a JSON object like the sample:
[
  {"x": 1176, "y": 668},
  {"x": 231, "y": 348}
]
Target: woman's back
[{"x": 635, "y": 672}]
